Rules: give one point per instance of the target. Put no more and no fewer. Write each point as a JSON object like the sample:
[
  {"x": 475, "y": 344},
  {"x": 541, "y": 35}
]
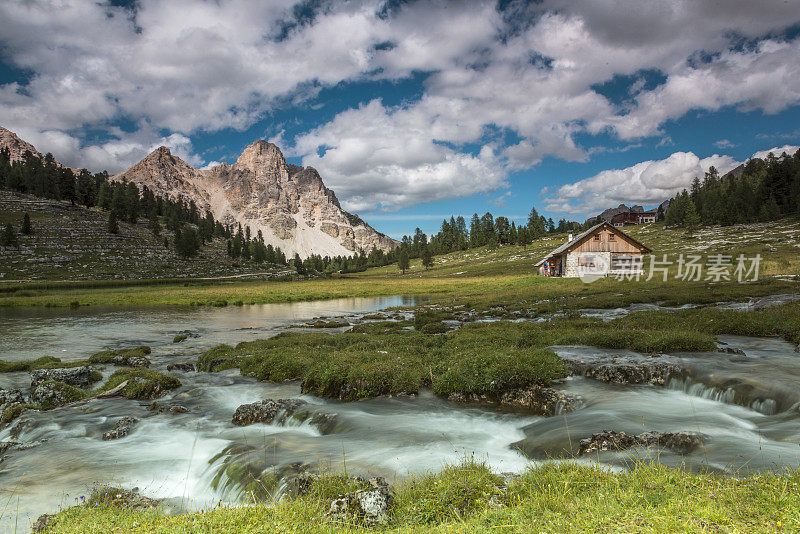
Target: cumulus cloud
[
  {"x": 389, "y": 159},
  {"x": 777, "y": 151},
  {"x": 180, "y": 67},
  {"x": 647, "y": 183}
]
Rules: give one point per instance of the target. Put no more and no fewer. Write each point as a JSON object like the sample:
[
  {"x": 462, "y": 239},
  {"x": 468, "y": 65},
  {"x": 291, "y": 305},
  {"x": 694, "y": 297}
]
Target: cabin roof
[{"x": 580, "y": 238}]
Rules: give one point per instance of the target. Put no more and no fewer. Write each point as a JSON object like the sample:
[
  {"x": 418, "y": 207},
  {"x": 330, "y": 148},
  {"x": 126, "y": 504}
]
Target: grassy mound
[
  {"x": 479, "y": 358},
  {"x": 470, "y": 498},
  {"x": 143, "y": 384},
  {"x": 108, "y": 356},
  {"x": 45, "y": 362}
]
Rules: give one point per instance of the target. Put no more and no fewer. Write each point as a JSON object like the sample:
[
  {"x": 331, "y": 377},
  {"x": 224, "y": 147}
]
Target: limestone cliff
[{"x": 289, "y": 204}]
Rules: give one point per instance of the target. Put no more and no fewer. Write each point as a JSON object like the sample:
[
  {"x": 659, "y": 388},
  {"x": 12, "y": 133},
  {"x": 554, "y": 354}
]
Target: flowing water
[{"x": 746, "y": 406}]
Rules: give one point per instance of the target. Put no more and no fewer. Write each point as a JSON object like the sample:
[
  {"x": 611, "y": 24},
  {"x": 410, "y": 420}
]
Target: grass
[
  {"x": 484, "y": 279},
  {"x": 470, "y": 498},
  {"x": 143, "y": 384},
  {"x": 382, "y": 358},
  {"x": 125, "y": 355}
]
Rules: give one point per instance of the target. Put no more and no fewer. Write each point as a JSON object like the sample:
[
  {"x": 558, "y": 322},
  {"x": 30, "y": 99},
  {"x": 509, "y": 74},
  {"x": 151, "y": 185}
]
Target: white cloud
[
  {"x": 187, "y": 67},
  {"x": 377, "y": 157},
  {"x": 724, "y": 143},
  {"x": 777, "y": 151},
  {"x": 648, "y": 183}
]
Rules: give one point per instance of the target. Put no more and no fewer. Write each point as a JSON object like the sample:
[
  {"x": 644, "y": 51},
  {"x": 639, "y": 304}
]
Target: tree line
[
  {"x": 44, "y": 178},
  {"x": 766, "y": 190}
]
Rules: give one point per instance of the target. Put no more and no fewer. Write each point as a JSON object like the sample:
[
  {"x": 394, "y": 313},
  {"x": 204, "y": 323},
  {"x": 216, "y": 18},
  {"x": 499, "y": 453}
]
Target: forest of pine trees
[
  {"x": 767, "y": 189},
  {"x": 124, "y": 202}
]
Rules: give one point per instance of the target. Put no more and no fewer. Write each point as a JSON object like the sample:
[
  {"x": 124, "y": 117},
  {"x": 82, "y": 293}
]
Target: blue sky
[{"x": 412, "y": 111}]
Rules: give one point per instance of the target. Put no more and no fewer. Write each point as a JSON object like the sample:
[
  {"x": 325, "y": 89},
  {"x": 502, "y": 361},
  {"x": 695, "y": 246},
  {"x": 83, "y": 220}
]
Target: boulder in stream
[
  {"x": 623, "y": 369},
  {"x": 121, "y": 429},
  {"x": 266, "y": 411},
  {"x": 80, "y": 377},
  {"x": 186, "y": 367},
  {"x": 52, "y": 394},
  {"x": 610, "y": 440},
  {"x": 541, "y": 400}
]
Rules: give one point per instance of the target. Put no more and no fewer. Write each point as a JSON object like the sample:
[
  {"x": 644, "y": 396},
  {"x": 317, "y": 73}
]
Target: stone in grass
[
  {"x": 372, "y": 506},
  {"x": 121, "y": 429}
]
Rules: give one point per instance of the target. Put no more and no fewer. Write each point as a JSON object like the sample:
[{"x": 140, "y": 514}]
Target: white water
[{"x": 168, "y": 455}]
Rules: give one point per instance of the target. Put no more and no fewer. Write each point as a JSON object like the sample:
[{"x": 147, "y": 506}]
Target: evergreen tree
[
  {"x": 403, "y": 262},
  {"x": 153, "y": 224},
  {"x": 166, "y": 242},
  {"x": 26, "y": 224},
  {"x": 297, "y": 263},
  {"x": 427, "y": 258},
  {"x": 104, "y": 196},
  {"x": 691, "y": 219},
  {"x": 8, "y": 237},
  {"x": 112, "y": 227},
  {"x": 187, "y": 243}
]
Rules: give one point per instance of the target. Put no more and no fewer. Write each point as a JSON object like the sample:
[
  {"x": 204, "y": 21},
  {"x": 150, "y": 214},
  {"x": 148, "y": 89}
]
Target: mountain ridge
[{"x": 289, "y": 204}]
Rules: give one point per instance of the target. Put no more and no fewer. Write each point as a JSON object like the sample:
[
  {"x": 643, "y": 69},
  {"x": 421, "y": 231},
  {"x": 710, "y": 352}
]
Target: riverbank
[{"x": 471, "y": 498}]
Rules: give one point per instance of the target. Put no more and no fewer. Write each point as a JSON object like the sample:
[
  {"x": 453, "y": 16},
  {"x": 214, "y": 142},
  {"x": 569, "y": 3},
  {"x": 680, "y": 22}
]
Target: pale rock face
[
  {"x": 289, "y": 204},
  {"x": 16, "y": 146}
]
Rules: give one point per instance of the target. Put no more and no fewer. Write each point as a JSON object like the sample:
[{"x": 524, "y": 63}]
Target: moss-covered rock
[
  {"x": 135, "y": 357},
  {"x": 52, "y": 394},
  {"x": 142, "y": 384},
  {"x": 218, "y": 359},
  {"x": 28, "y": 365}
]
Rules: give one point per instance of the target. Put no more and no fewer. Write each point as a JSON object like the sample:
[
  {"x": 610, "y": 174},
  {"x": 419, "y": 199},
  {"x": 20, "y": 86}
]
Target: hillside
[{"x": 72, "y": 243}]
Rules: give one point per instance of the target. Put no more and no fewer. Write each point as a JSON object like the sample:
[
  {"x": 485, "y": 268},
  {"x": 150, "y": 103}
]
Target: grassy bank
[
  {"x": 484, "y": 359},
  {"x": 470, "y": 498}
]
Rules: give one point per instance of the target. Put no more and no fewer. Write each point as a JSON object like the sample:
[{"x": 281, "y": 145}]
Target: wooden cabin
[{"x": 603, "y": 248}]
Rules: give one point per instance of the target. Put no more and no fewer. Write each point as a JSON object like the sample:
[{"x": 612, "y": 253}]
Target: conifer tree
[
  {"x": 112, "y": 227},
  {"x": 403, "y": 262},
  {"x": 691, "y": 220},
  {"x": 427, "y": 258},
  {"x": 26, "y": 224},
  {"x": 8, "y": 237}
]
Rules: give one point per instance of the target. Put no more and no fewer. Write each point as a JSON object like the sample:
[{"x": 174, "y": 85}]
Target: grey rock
[
  {"x": 542, "y": 400},
  {"x": 623, "y": 369},
  {"x": 680, "y": 442},
  {"x": 372, "y": 505},
  {"x": 79, "y": 377},
  {"x": 121, "y": 429},
  {"x": 43, "y": 521},
  {"x": 131, "y": 361},
  {"x": 266, "y": 411},
  {"x": 51, "y": 394},
  {"x": 186, "y": 367}
]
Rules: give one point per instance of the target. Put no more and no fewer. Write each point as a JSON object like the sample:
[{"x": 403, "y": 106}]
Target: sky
[{"x": 415, "y": 110}]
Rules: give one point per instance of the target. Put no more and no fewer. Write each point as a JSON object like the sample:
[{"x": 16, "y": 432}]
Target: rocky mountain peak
[
  {"x": 261, "y": 156},
  {"x": 16, "y": 146},
  {"x": 289, "y": 204}
]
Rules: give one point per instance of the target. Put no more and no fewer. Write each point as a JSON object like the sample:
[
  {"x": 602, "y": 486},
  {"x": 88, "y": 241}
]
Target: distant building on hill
[
  {"x": 626, "y": 219},
  {"x": 602, "y": 250}
]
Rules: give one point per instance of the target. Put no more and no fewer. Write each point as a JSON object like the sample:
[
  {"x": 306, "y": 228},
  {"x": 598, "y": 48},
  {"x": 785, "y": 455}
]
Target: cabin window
[
  {"x": 611, "y": 237},
  {"x": 585, "y": 261},
  {"x": 597, "y": 237}
]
